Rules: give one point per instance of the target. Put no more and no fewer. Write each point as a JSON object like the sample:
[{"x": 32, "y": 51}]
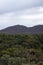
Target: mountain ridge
[{"x": 21, "y": 29}]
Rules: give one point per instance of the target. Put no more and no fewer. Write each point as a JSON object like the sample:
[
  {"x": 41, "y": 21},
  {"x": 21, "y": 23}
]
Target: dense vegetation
[{"x": 21, "y": 49}]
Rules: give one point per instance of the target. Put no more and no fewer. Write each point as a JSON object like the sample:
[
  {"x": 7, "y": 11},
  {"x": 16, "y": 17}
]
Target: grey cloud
[{"x": 15, "y": 5}]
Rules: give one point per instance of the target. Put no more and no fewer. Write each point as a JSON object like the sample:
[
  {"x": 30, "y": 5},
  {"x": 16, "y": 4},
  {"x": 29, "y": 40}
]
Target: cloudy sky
[{"x": 23, "y": 12}]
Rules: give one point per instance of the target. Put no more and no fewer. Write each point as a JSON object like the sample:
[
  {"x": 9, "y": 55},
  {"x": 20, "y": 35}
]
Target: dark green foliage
[{"x": 21, "y": 49}]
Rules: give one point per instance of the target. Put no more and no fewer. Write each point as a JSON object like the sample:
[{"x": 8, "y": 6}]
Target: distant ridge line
[{"x": 21, "y": 29}]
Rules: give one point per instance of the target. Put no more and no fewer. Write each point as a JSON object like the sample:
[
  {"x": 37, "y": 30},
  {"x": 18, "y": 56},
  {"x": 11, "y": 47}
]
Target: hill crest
[{"x": 20, "y": 29}]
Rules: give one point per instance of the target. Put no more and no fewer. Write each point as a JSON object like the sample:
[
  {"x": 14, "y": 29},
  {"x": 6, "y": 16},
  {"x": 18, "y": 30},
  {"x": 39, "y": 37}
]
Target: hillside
[
  {"x": 21, "y": 49},
  {"x": 20, "y": 29}
]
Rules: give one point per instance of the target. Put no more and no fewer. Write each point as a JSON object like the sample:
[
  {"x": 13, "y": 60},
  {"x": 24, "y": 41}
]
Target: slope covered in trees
[{"x": 21, "y": 49}]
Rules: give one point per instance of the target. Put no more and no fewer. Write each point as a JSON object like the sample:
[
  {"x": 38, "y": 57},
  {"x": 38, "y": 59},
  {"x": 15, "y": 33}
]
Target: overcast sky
[{"x": 23, "y": 12}]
